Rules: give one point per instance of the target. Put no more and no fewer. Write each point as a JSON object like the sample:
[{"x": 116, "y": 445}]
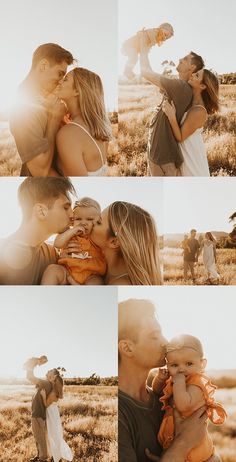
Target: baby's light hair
[
  {"x": 87, "y": 202},
  {"x": 185, "y": 341}
]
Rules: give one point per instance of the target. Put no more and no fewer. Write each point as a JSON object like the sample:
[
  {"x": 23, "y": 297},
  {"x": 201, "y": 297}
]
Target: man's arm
[
  {"x": 40, "y": 165},
  {"x": 145, "y": 67},
  {"x": 189, "y": 433},
  {"x": 31, "y": 377}
]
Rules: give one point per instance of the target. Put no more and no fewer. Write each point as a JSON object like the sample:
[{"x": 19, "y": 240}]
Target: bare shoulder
[
  {"x": 198, "y": 112},
  {"x": 122, "y": 281}
]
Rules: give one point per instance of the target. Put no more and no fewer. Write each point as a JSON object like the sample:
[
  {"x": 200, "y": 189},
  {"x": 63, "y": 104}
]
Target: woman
[
  {"x": 205, "y": 101},
  {"x": 82, "y": 143},
  {"x": 128, "y": 238},
  {"x": 209, "y": 258},
  {"x": 57, "y": 448}
]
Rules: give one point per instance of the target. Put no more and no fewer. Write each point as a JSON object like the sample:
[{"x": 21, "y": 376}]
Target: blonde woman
[
  {"x": 205, "y": 87},
  {"x": 208, "y": 247},
  {"x": 128, "y": 238},
  {"x": 82, "y": 143}
]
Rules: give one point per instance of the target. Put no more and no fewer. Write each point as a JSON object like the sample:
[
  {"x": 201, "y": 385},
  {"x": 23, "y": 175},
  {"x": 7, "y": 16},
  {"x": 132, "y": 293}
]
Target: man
[
  {"x": 46, "y": 210},
  {"x": 39, "y": 412},
  {"x": 142, "y": 347},
  {"x": 37, "y": 116},
  {"x": 191, "y": 254},
  {"x": 164, "y": 154}
]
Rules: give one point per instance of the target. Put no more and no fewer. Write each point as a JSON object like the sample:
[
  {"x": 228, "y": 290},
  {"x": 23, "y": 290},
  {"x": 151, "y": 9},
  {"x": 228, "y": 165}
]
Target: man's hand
[
  {"x": 192, "y": 429},
  {"x": 72, "y": 247},
  {"x": 151, "y": 456}
]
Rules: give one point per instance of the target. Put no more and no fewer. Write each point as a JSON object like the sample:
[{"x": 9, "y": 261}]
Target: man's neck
[
  {"x": 132, "y": 381},
  {"x": 32, "y": 85},
  {"x": 30, "y": 233}
]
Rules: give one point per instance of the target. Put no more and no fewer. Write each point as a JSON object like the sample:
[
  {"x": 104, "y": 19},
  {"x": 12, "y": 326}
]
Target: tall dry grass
[
  {"x": 89, "y": 419},
  {"x": 173, "y": 267},
  {"x": 136, "y": 104}
]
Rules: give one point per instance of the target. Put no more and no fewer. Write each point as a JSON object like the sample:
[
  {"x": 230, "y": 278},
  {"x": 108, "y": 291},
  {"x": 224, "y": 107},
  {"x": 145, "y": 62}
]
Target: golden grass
[
  {"x": 136, "y": 103},
  {"x": 89, "y": 418},
  {"x": 173, "y": 267}
]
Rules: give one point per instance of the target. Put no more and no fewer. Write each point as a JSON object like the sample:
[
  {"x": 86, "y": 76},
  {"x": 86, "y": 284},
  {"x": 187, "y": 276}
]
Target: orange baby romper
[
  {"x": 90, "y": 261},
  {"x": 205, "y": 450}
]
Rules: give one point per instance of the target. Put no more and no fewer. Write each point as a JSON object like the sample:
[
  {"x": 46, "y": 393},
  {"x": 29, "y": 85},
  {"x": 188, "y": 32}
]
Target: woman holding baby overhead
[{"x": 82, "y": 143}]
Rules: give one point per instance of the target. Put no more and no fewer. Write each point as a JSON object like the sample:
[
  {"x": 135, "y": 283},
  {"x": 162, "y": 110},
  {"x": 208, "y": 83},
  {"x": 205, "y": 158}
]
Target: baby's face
[
  {"x": 184, "y": 361},
  {"x": 86, "y": 217}
]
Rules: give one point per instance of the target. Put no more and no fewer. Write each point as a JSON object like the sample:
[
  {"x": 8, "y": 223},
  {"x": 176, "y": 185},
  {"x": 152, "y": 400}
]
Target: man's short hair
[
  {"x": 130, "y": 315},
  {"x": 53, "y": 53},
  {"x": 193, "y": 231},
  {"x": 197, "y": 61},
  {"x": 43, "y": 190}
]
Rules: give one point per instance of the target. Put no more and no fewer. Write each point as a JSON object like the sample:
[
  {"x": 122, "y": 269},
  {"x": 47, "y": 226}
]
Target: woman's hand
[{"x": 169, "y": 109}]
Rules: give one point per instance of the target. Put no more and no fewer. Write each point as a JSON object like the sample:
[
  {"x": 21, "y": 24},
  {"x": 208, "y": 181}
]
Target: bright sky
[
  {"x": 205, "y": 312},
  {"x": 75, "y": 328},
  {"x": 86, "y": 28},
  {"x": 104, "y": 190},
  {"x": 206, "y": 27},
  {"x": 201, "y": 203}
]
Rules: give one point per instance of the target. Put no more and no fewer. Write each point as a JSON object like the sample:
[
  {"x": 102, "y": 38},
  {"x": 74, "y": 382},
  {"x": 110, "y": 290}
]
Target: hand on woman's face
[{"x": 196, "y": 79}]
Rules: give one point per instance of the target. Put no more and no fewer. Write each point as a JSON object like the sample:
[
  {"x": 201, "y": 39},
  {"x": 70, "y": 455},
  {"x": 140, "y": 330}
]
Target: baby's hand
[
  {"x": 159, "y": 380},
  {"x": 179, "y": 378},
  {"x": 79, "y": 230},
  {"x": 163, "y": 374}
]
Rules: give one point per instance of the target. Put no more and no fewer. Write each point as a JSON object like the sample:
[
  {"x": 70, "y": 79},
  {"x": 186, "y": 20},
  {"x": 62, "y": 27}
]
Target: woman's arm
[
  {"x": 52, "y": 398},
  {"x": 196, "y": 118},
  {"x": 43, "y": 394},
  {"x": 62, "y": 239},
  {"x": 186, "y": 398},
  {"x": 70, "y": 152}
]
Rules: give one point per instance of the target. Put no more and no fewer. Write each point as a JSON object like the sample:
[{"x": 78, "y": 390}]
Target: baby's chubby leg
[
  {"x": 54, "y": 275},
  {"x": 132, "y": 58}
]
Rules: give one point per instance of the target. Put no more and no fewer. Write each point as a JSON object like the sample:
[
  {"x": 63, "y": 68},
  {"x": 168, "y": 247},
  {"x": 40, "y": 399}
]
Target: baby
[
  {"x": 131, "y": 48},
  {"x": 33, "y": 362},
  {"x": 187, "y": 389},
  {"x": 88, "y": 265}
]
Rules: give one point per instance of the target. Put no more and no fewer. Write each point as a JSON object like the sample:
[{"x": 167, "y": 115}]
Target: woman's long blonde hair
[
  {"x": 91, "y": 103},
  {"x": 136, "y": 232}
]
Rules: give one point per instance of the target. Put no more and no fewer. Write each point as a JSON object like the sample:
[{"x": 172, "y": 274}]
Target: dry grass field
[
  {"x": 173, "y": 267},
  {"x": 136, "y": 103},
  {"x": 89, "y": 418}
]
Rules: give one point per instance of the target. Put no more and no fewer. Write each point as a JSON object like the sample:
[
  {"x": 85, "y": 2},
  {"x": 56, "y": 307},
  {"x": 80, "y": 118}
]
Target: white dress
[
  {"x": 194, "y": 153},
  {"x": 57, "y": 447},
  {"x": 103, "y": 170},
  {"x": 209, "y": 260}
]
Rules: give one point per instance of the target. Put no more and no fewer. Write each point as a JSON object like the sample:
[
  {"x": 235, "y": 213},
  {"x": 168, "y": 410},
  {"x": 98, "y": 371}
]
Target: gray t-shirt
[
  {"x": 162, "y": 145},
  {"x": 139, "y": 424},
  {"x": 38, "y": 407},
  {"x": 21, "y": 264},
  {"x": 28, "y": 125}
]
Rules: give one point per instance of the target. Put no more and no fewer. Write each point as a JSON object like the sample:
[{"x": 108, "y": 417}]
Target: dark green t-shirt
[
  {"x": 194, "y": 246},
  {"x": 21, "y": 264},
  {"x": 139, "y": 424},
  {"x": 38, "y": 407},
  {"x": 162, "y": 145}
]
